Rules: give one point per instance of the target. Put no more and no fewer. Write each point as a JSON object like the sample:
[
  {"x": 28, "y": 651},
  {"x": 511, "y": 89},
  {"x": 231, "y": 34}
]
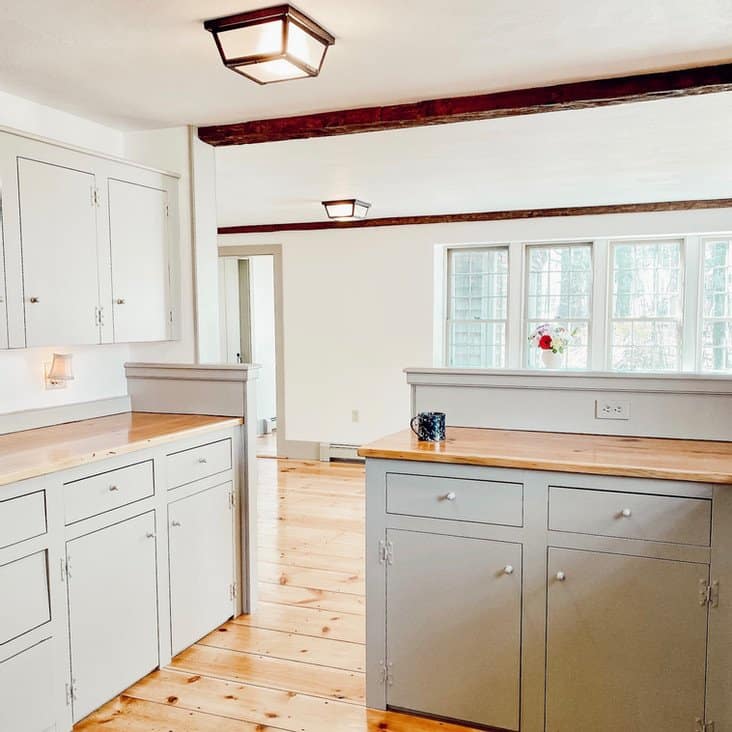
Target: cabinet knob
[
  {"x": 150, "y": 535},
  {"x": 626, "y": 513},
  {"x": 451, "y": 496},
  {"x": 175, "y": 523},
  {"x": 560, "y": 576},
  {"x": 113, "y": 488},
  {"x": 120, "y": 301},
  {"x": 508, "y": 569},
  {"x": 34, "y": 300},
  {"x": 202, "y": 460}
]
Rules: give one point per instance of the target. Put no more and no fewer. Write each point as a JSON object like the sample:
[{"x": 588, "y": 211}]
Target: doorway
[{"x": 249, "y": 333}]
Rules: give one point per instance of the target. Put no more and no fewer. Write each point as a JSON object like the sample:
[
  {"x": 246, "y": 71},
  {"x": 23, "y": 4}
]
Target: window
[
  {"x": 716, "y": 320},
  {"x": 646, "y": 309},
  {"x": 477, "y": 307},
  {"x": 559, "y": 290}
]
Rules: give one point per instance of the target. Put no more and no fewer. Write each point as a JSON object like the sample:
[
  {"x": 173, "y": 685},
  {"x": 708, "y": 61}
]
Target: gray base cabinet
[
  {"x": 548, "y": 602},
  {"x": 113, "y": 610},
  {"x": 453, "y": 627}
]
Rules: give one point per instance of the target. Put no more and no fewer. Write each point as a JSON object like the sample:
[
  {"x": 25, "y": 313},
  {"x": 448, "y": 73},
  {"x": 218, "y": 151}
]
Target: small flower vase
[{"x": 551, "y": 360}]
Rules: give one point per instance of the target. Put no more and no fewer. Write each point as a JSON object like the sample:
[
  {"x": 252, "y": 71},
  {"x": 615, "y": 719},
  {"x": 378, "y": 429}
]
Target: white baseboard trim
[{"x": 32, "y": 419}]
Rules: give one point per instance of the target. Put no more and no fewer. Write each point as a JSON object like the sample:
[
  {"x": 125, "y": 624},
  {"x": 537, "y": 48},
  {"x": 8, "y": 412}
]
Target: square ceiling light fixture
[
  {"x": 346, "y": 209},
  {"x": 272, "y": 44}
]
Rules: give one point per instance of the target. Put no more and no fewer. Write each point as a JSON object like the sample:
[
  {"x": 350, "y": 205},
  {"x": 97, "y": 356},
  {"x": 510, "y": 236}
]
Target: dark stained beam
[
  {"x": 535, "y": 100},
  {"x": 457, "y": 218}
]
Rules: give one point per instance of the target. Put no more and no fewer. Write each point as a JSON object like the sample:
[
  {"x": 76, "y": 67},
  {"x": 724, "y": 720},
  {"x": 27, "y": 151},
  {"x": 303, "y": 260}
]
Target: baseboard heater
[{"x": 338, "y": 451}]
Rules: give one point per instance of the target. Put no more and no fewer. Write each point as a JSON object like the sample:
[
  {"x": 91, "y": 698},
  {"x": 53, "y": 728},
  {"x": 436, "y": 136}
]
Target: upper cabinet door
[
  {"x": 138, "y": 230},
  {"x": 59, "y": 246}
]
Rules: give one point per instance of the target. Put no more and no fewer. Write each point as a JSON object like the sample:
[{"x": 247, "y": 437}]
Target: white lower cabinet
[
  {"x": 30, "y": 678},
  {"x": 113, "y": 610},
  {"x": 201, "y": 551},
  {"x": 453, "y": 627},
  {"x": 626, "y": 643}
]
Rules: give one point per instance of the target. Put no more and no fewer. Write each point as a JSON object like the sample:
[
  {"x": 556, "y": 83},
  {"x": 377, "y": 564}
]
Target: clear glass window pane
[
  {"x": 646, "y": 316},
  {"x": 559, "y": 291},
  {"x": 716, "y": 335},
  {"x": 477, "y": 307}
]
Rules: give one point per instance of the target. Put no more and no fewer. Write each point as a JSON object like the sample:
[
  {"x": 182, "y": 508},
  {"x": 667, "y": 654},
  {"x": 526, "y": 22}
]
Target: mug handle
[{"x": 411, "y": 425}]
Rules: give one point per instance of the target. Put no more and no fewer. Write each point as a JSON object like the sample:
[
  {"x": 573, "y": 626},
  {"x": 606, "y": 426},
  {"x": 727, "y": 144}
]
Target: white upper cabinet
[
  {"x": 138, "y": 230},
  {"x": 59, "y": 246},
  {"x": 88, "y": 248}
]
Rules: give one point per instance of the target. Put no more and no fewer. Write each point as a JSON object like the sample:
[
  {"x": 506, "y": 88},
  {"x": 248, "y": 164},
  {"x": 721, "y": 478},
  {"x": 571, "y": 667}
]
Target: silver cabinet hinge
[
  {"x": 65, "y": 568},
  {"x": 387, "y": 672},
  {"x": 167, "y": 210},
  {"x": 233, "y": 591},
  {"x": 232, "y": 499},
  {"x": 386, "y": 552},
  {"x": 94, "y": 196},
  {"x": 709, "y": 593},
  {"x": 98, "y": 315},
  {"x": 702, "y": 726},
  {"x": 71, "y": 692}
]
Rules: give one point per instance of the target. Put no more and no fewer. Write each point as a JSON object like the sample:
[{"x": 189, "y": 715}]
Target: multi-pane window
[
  {"x": 477, "y": 307},
  {"x": 646, "y": 305},
  {"x": 559, "y": 292},
  {"x": 716, "y": 316}
]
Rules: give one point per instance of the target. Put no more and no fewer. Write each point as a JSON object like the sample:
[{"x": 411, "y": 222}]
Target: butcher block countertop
[
  {"x": 32, "y": 453},
  {"x": 640, "y": 457}
]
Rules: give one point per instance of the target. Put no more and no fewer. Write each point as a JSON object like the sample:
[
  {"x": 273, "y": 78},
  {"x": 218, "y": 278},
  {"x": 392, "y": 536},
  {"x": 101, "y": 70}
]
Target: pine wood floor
[{"x": 297, "y": 663}]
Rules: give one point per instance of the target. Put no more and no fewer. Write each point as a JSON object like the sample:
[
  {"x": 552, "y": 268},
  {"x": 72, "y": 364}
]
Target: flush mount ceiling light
[
  {"x": 347, "y": 208},
  {"x": 271, "y": 44}
]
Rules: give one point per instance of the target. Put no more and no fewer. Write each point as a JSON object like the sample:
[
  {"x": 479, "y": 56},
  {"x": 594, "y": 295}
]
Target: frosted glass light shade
[
  {"x": 345, "y": 209},
  {"x": 61, "y": 368},
  {"x": 271, "y": 44}
]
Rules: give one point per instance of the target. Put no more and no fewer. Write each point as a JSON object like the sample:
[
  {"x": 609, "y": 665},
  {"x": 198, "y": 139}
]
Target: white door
[
  {"x": 3, "y": 288},
  {"x": 113, "y": 614},
  {"x": 626, "y": 643},
  {"x": 200, "y": 532},
  {"x": 138, "y": 231},
  {"x": 59, "y": 246},
  {"x": 453, "y": 628}
]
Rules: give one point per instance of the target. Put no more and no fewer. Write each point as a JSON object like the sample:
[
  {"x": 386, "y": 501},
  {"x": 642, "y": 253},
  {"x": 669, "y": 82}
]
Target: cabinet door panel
[
  {"x": 201, "y": 564},
  {"x": 453, "y": 627},
  {"x": 139, "y": 240},
  {"x": 112, "y": 610},
  {"x": 626, "y": 643},
  {"x": 59, "y": 242},
  {"x": 3, "y": 287}
]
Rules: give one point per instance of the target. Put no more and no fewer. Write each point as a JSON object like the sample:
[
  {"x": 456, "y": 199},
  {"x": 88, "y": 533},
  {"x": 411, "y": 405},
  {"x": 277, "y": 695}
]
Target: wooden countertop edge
[
  {"x": 559, "y": 466},
  {"x": 89, "y": 458}
]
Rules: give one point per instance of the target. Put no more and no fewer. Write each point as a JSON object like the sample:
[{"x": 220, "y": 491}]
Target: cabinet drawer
[
  {"x": 631, "y": 515},
  {"x": 24, "y": 592},
  {"x": 106, "y": 491},
  {"x": 27, "y": 683},
  {"x": 198, "y": 462},
  {"x": 22, "y": 518},
  {"x": 457, "y": 499}
]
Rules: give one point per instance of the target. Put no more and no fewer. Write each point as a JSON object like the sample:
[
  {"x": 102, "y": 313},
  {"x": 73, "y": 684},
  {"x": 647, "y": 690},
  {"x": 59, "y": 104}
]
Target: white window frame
[{"x": 702, "y": 243}]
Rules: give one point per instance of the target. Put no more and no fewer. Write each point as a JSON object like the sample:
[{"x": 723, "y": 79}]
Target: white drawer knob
[
  {"x": 450, "y": 496},
  {"x": 113, "y": 488},
  {"x": 175, "y": 523},
  {"x": 202, "y": 460},
  {"x": 560, "y": 576},
  {"x": 626, "y": 513},
  {"x": 508, "y": 569}
]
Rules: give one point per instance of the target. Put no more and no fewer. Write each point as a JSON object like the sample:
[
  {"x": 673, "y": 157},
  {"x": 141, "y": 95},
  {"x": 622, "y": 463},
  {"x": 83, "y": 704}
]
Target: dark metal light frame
[
  {"x": 359, "y": 209},
  {"x": 285, "y": 13}
]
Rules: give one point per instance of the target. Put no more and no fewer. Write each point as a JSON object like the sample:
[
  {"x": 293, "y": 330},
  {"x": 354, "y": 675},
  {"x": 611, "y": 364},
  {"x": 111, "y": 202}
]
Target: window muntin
[
  {"x": 477, "y": 307},
  {"x": 716, "y": 306},
  {"x": 559, "y": 290},
  {"x": 646, "y": 305}
]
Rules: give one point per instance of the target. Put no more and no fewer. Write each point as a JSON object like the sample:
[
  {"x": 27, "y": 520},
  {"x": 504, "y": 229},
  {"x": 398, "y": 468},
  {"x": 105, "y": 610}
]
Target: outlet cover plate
[{"x": 612, "y": 409}]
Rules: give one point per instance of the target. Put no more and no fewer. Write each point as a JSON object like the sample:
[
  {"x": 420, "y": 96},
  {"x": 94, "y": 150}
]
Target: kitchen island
[{"x": 545, "y": 581}]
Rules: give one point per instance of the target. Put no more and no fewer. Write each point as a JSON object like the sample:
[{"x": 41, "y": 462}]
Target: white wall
[
  {"x": 358, "y": 308},
  {"x": 98, "y": 369}
]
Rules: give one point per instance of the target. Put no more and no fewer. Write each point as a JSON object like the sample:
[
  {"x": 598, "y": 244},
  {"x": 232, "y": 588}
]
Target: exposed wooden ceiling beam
[
  {"x": 574, "y": 95},
  {"x": 456, "y": 218}
]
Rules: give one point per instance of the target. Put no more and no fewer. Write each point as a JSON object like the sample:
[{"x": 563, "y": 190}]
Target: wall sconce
[
  {"x": 59, "y": 372},
  {"x": 271, "y": 44},
  {"x": 345, "y": 209}
]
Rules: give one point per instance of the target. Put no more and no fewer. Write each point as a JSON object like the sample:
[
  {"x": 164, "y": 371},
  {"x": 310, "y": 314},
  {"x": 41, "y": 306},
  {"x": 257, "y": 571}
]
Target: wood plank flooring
[{"x": 297, "y": 663}]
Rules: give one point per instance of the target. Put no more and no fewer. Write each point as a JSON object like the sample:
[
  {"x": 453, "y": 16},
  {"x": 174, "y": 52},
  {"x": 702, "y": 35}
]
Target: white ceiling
[
  {"x": 149, "y": 63},
  {"x": 651, "y": 151}
]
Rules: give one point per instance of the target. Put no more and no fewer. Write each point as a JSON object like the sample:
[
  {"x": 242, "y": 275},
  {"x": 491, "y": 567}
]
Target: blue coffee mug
[{"x": 430, "y": 426}]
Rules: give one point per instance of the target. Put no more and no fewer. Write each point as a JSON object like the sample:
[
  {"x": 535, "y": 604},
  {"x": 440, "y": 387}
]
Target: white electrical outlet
[{"x": 612, "y": 409}]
